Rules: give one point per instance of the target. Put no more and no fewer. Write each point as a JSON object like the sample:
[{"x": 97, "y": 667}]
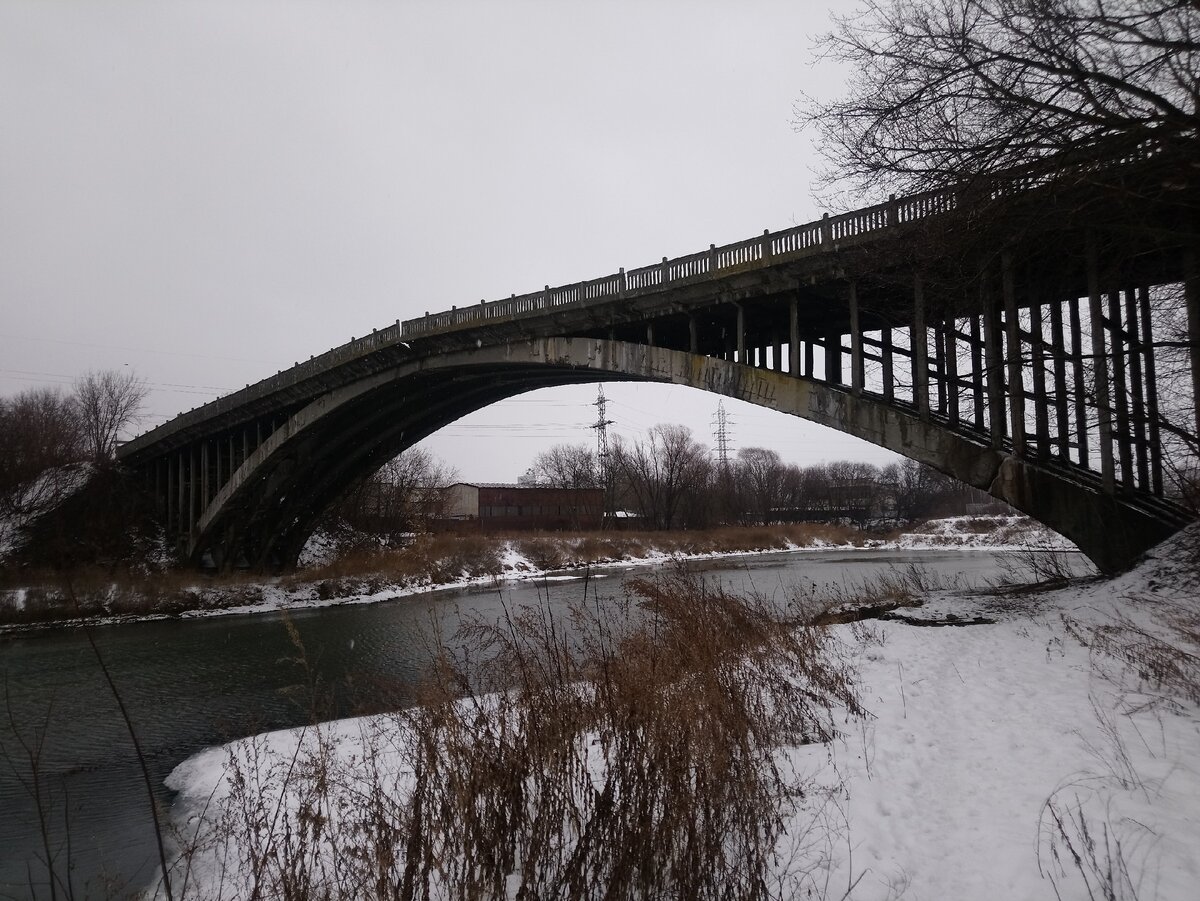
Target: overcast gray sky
[{"x": 208, "y": 191}]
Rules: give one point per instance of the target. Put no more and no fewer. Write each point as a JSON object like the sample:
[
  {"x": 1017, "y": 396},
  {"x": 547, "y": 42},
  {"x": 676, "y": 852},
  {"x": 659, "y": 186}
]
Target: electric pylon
[
  {"x": 601, "y": 426},
  {"x": 721, "y": 423}
]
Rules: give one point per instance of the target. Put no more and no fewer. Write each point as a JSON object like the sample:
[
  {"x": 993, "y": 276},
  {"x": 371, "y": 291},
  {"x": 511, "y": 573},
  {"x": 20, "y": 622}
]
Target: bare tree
[
  {"x": 761, "y": 474},
  {"x": 959, "y": 92},
  {"x": 108, "y": 402},
  {"x": 39, "y": 437},
  {"x": 856, "y": 489},
  {"x": 566, "y": 466},
  {"x": 918, "y": 490},
  {"x": 403, "y": 495},
  {"x": 944, "y": 90},
  {"x": 571, "y": 467},
  {"x": 39, "y": 429},
  {"x": 658, "y": 473}
]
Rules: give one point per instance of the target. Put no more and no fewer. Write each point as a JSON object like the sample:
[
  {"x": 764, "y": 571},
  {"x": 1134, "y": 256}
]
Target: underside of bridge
[
  {"x": 1010, "y": 343},
  {"x": 262, "y": 516}
]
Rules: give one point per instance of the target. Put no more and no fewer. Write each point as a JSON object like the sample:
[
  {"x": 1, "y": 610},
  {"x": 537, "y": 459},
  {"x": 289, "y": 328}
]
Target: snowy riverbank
[
  {"x": 500, "y": 561},
  {"x": 1053, "y": 747},
  {"x": 991, "y": 533}
]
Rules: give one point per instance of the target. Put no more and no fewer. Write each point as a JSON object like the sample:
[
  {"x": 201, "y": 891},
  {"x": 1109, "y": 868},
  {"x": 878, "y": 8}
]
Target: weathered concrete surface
[{"x": 352, "y": 429}]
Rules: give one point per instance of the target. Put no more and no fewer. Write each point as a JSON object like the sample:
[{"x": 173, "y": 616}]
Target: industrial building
[{"x": 498, "y": 507}]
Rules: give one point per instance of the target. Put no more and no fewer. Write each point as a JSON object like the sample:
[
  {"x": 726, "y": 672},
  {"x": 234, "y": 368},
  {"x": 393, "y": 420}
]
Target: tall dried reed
[{"x": 635, "y": 754}]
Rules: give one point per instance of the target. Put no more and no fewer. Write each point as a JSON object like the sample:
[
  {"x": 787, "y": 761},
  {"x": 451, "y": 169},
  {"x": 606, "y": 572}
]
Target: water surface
[{"x": 192, "y": 683}]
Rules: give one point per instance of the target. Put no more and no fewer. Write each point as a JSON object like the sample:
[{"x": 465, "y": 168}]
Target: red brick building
[{"x": 498, "y": 507}]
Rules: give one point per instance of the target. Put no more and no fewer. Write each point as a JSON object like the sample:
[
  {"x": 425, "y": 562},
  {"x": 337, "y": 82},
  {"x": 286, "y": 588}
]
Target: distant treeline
[{"x": 669, "y": 480}]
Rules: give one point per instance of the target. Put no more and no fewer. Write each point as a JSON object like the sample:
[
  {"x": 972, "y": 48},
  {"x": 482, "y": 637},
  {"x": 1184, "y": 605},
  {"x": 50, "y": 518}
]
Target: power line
[
  {"x": 63, "y": 375},
  {"x": 149, "y": 350},
  {"x": 70, "y": 380}
]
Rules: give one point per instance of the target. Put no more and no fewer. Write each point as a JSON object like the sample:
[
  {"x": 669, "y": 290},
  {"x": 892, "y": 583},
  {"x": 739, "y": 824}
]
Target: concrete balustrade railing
[{"x": 769, "y": 248}]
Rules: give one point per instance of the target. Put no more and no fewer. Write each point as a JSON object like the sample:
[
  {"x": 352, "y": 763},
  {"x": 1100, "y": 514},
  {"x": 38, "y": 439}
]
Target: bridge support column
[
  {"x": 1156, "y": 478},
  {"x": 1191, "y": 290},
  {"x": 920, "y": 350},
  {"x": 741, "y": 334},
  {"x": 1081, "y": 416},
  {"x": 995, "y": 368},
  {"x": 204, "y": 495},
  {"x": 172, "y": 489},
  {"x": 192, "y": 488},
  {"x": 833, "y": 357},
  {"x": 219, "y": 454},
  {"x": 693, "y": 335},
  {"x": 1014, "y": 357},
  {"x": 856, "y": 352},
  {"x": 938, "y": 370},
  {"x": 977, "y": 391},
  {"x": 1124, "y": 432},
  {"x": 156, "y": 484},
  {"x": 885, "y": 348},
  {"x": 1138, "y": 394},
  {"x": 950, "y": 366},
  {"x": 1041, "y": 405},
  {"x": 1058, "y": 346},
  {"x": 181, "y": 503},
  {"x": 794, "y": 336},
  {"x": 1100, "y": 373}
]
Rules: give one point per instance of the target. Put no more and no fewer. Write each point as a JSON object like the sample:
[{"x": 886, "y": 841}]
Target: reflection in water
[{"x": 189, "y": 684}]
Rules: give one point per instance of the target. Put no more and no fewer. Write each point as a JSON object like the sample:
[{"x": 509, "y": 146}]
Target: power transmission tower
[
  {"x": 601, "y": 426},
  {"x": 721, "y": 434}
]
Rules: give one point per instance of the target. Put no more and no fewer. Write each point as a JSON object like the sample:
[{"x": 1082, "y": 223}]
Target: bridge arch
[{"x": 268, "y": 507}]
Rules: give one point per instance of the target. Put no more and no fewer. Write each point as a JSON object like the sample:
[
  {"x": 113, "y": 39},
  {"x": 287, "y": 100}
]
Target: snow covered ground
[
  {"x": 997, "y": 752},
  {"x": 998, "y": 532},
  {"x": 1052, "y": 750}
]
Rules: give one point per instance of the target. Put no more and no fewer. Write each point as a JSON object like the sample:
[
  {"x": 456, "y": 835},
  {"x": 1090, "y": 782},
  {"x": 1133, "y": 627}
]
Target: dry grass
[
  {"x": 556, "y": 551},
  {"x": 884, "y": 592},
  {"x": 1034, "y": 568},
  {"x": 638, "y": 758},
  {"x": 1163, "y": 656},
  {"x": 445, "y": 556},
  {"x": 55, "y": 597},
  {"x": 1148, "y": 650},
  {"x": 430, "y": 560}
]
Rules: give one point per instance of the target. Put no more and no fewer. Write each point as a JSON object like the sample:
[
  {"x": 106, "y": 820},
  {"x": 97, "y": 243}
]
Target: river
[{"x": 192, "y": 683}]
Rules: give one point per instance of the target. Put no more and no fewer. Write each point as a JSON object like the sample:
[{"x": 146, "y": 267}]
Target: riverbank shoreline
[
  {"x": 989, "y": 752},
  {"x": 503, "y": 560}
]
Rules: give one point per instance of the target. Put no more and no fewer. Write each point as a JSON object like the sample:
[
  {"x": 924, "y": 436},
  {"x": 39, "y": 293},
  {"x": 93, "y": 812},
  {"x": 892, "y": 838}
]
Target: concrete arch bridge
[{"x": 1004, "y": 336}]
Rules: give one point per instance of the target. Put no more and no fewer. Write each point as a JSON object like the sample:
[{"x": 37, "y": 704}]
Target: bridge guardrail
[{"x": 801, "y": 240}]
